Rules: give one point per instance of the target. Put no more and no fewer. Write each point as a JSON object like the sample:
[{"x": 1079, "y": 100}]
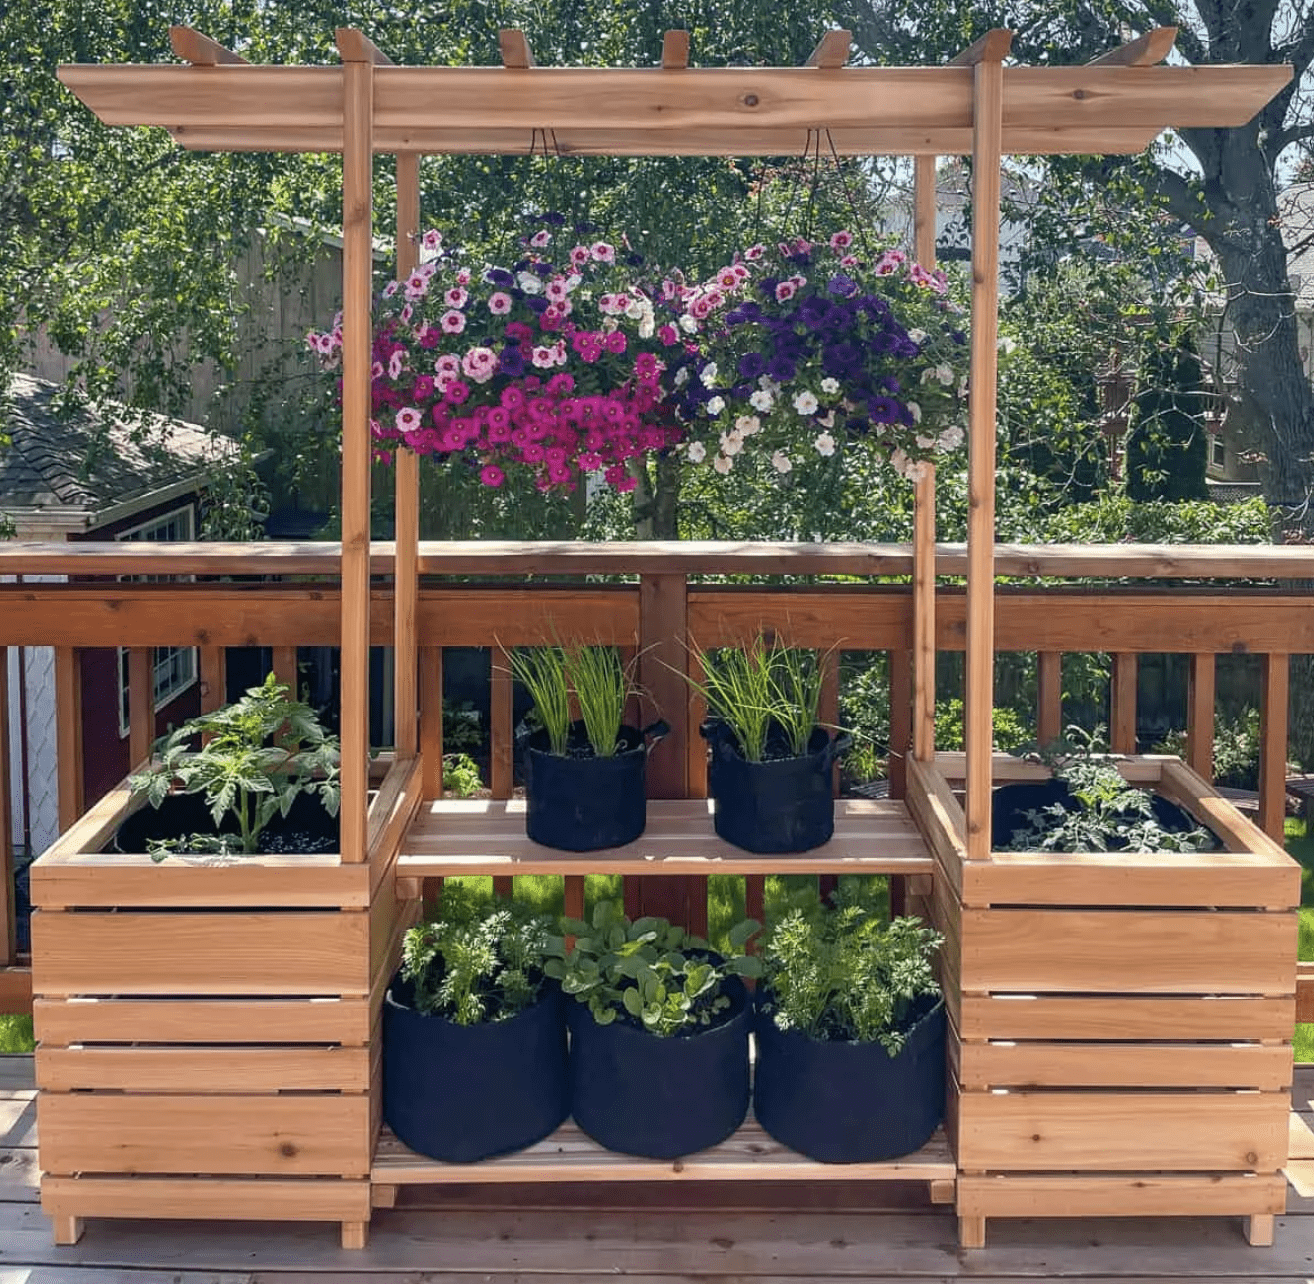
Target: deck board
[{"x": 484, "y": 836}]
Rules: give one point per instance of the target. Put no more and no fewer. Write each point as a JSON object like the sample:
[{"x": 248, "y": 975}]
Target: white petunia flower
[
  {"x": 682, "y": 376},
  {"x": 781, "y": 462},
  {"x": 731, "y": 443},
  {"x": 762, "y": 400},
  {"x": 825, "y": 444},
  {"x": 708, "y": 375},
  {"x": 945, "y": 375},
  {"x": 1007, "y": 345},
  {"x": 723, "y": 464},
  {"x": 917, "y": 336},
  {"x": 688, "y": 324},
  {"x": 830, "y": 386},
  {"x": 716, "y": 405},
  {"x": 747, "y": 425},
  {"x": 529, "y": 283},
  {"x": 697, "y": 452},
  {"x": 805, "y": 403},
  {"x": 916, "y": 411},
  {"x": 925, "y": 443}
]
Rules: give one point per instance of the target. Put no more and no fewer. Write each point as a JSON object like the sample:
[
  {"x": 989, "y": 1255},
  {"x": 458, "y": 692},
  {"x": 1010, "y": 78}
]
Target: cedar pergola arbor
[
  {"x": 1228, "y": 1156},
  {"x": 972, "y": 106}
]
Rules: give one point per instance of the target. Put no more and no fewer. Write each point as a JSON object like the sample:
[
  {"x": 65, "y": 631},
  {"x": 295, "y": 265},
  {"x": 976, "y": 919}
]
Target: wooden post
[
  {"x": 901, "y": 714},
  {"x": 1122, "y": 704},
  {"x": 214, "y": 677},
  {"x": 8, "y": 941},
  {"x": 501, "y": 731},
  {"x": 284, "y": 661},
  {"x": 987, "y": 117},
  {"x": 431, "y": 721},
  {"x": 1049, "y": 696},
  {"x": 923, "y": 724},
  {"x": 406, "y": 580},
  {"x": 357, "y": 261},
  {"x": 663, "y": 632},
  {"x": 68, "y": 733},
  {"x": 141, "y": 704},
  {"x": 1273, "y": 746},
  {"x": 1200, "y": 715}
]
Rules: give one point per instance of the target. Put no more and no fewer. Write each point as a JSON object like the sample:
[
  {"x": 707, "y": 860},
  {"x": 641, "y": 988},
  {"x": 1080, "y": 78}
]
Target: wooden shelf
[
  {"x": 570, "y": 1156},
  {"x": 872, "y": 836}
]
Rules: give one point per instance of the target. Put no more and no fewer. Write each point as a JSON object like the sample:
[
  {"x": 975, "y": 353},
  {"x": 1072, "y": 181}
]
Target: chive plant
[{"x": 600, "y": 682}]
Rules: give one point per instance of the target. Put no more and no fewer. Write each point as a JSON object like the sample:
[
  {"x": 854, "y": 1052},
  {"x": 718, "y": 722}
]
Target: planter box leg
[
  {"x": 355, "y": 1234},
  {"x": 971, "y": 1232},
  {"x": 1259, "y": 1229},
  {"x": 68, "y": 1229},
  {"x": 383, "y": 1196},
  {"x": 942, "y": 1192}
]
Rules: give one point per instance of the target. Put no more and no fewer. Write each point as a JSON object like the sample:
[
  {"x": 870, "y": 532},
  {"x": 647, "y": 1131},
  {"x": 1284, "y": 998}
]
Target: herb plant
[
  {"x": 650, "y": 972},
  {"x": 256, "y": 756},
  {"x": 840, "y": 974},
  {"x": 1106, "y": 812},
  {"x": 475, "y": 965},
  {"x": 597, "y": 679},
  {"x": 763, "y": 689},
  {"x": 461, "y": 775}
]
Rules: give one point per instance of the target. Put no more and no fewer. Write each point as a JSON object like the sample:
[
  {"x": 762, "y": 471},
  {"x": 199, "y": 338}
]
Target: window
[
  {"x": 175, "y": 666},
  {"x": 1217, "y": 452}
]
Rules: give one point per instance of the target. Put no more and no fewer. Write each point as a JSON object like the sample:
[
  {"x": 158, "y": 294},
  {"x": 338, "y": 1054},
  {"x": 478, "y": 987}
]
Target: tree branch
[
  {"x": 1299, "y": 52},
  {"x": 1284, "y": 138}
]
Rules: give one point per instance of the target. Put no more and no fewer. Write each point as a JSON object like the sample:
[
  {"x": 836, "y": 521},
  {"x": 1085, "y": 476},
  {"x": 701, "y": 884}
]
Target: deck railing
[{"x": 656, "y": 598}]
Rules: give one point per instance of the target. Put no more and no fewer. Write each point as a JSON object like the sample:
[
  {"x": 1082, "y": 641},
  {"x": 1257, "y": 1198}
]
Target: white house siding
[{"x": 42, "y": 751}]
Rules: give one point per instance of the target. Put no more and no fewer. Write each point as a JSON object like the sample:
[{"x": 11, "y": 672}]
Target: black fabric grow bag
[
  {"x": 779, "y": 805},
  {"x": 640, "y": 1094},
  {"x": 460, "y": 1093},
  {"x": 1010, "y": 803},
  {"x": 850, "y": 1103},
  {"x": 579, "y": 803},
  {"x": 306, "y": 828}
]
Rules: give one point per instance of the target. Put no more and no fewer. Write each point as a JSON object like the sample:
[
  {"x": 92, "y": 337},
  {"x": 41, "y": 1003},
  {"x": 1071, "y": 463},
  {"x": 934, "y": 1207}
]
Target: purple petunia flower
[
  {"x": 751, "y": 365},
  {"x": 500, "y": 276},
  {"x": 781, "y": 369},
  {"x": 813, "y": 312},
  {"x": 842, "y": 285},
  {"x": 511, "y": 361},
  {"x": 838, "y": 359},
  {"x": 884, "y": 410}
]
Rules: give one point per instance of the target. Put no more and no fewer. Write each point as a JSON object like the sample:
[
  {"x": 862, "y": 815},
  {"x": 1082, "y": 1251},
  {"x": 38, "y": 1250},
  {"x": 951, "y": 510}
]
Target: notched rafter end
[
  {"x": 1145, "y": 51},
  {"x": 516, "y": 54},
  {"x": 356, "y": 46},
  {"x": 994, "y": 46},
  {"x": 833, "y": 50},
  {"x": 191, "y": 46},
  {"x": 675, "y": 49}
]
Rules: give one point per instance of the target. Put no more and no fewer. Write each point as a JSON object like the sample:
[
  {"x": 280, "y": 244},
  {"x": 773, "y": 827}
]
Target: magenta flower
[{"x": 491, "y": 475}]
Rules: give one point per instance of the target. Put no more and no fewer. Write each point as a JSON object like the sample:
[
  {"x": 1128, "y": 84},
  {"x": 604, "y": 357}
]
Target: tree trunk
[{"x": 657, "y": 500}]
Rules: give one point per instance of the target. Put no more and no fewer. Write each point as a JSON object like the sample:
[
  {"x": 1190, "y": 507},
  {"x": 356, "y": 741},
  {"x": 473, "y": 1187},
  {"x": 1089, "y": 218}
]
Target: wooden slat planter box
[
  {"x": 1120, "y": 1024},
  {"x": 205, "y": 1028}
]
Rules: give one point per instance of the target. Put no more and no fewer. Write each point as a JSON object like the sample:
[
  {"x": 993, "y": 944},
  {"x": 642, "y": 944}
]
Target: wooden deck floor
[{"x": 658, "y": 1235}]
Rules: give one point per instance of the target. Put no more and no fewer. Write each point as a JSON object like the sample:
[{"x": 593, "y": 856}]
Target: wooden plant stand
[{"x": 1121, "y": 1025}]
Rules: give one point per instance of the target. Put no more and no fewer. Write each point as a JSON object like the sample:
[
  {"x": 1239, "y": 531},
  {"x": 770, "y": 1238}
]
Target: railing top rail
[{"x": 690, "y": 557}]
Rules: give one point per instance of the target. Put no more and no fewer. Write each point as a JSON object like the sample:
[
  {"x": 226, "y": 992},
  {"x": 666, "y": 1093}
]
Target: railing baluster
[
  {"x": 501, "y": 742},
  {"x": 829, "y": 711},
  {"x": 900, "y": 719},
  {"x": 1122, "y": 704},
  {"x": 68, "y": 732},
  {"x": 431, "y": 747},
  {"x": 214, "y": 677},
  {"x": 141, "y": 704},
  {"x": 1049, "y": 696},
  {"x": 1273, "y": 746},
  {"x": 1200, "y": 714},
  {"x": 285, "y": 668}
]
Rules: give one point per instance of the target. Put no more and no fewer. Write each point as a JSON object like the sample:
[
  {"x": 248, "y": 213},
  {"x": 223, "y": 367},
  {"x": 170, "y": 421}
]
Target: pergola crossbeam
[
  {"x": 994, "y": 46},
  {"x": 356, "y": 46},
  {"x": 1153, "y": 47},
  {"x": 200, "y": 50}
]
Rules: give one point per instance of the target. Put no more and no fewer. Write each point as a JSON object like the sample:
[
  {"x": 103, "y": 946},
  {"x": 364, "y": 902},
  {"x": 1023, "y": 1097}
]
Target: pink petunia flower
[
  {"x": 541, "y": 239},
  {"x": 601, "y": 252},
  {"x": 491, "y": 475},
  {"x": 785, "y": 290},
  {"x": 452, "y": 322},
  {"x": 456, "y": 297},
  {"x": 499, "y": 303},
  {"x": 408, "y": 419},
  {"x": 432, "y": 239},
  {"x": 479, "y": 364},
  {"x": 841, "y": 240},
  {"x": 579, "y": 256}
]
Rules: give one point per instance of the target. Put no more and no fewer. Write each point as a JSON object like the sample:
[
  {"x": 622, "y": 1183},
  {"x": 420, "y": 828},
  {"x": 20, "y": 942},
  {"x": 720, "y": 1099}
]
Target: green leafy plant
[
  {"x": 256, "y": 756},
  {"x": 462, "y": 727},
  {"x": 1107, "y": 812},
  {"x": 650, "y": 972},
  {"x": 475, "y": 964},
  {"x": 760, "y": 687},
  {"x": 1008, "y": 730},
  {"x": 596, "y": 677},
  {"x": 839, "y": 973},
  {"x": 461, "y": 776},
  {"x": 1236, "y": 750}
]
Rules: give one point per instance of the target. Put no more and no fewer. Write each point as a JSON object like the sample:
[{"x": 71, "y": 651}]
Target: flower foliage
[
  {"x": 818, "y": 352},
  {"x": 552, "y": 364}
]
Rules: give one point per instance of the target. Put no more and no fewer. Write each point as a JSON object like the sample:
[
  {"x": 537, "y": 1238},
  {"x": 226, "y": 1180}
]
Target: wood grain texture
[
  {"x": 358, "y": 109},
  {"x": 1200, "y": 696},
  {"x": 675, "y": 49},
  {"x": 1123, "y": 1131},
  {"x": 1144, "y": 1195},
  {"x": 431, "y": 720},
  {"x": 569, "y": 1155},
  {"x": 322, "y": 1134},
  {"x": 1154, "y": 46},
  {"x": 200, "y": 50},
  {"x": 224, "y": 954},
  {"x": 1129, "y": 952},
  {"x": 833, "y": 50},
  {"x": 237, "y": 1070},
  {"x": 978, "y": 701},
  {"x": 214, "y": 680},
  {"x": 310, "y": 1199},
  {"x": 8, "y": 938},
  {"x": 1273, "y": 745},
  {"x": 1181, "y": 785},
  {"x": 1049, "y": 696},
  {"x": 68, "y": 730},
  {"x": 60, "y": 1022},
  {"x": 479, "y": 836},
  {"x": 1122, "y": 704}
]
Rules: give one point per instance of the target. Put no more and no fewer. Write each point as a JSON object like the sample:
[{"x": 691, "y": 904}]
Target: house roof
[{"x": 88, "y": 467}]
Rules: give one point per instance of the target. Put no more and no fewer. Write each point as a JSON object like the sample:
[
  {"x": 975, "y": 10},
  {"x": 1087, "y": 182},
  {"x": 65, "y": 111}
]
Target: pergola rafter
[{"x": 974, "y": 105}]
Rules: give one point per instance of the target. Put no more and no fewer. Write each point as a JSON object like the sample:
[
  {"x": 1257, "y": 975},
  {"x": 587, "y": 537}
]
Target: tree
[
  {"x": 1231, "y": 197},
  {"x": 1167, "y": 451}
]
